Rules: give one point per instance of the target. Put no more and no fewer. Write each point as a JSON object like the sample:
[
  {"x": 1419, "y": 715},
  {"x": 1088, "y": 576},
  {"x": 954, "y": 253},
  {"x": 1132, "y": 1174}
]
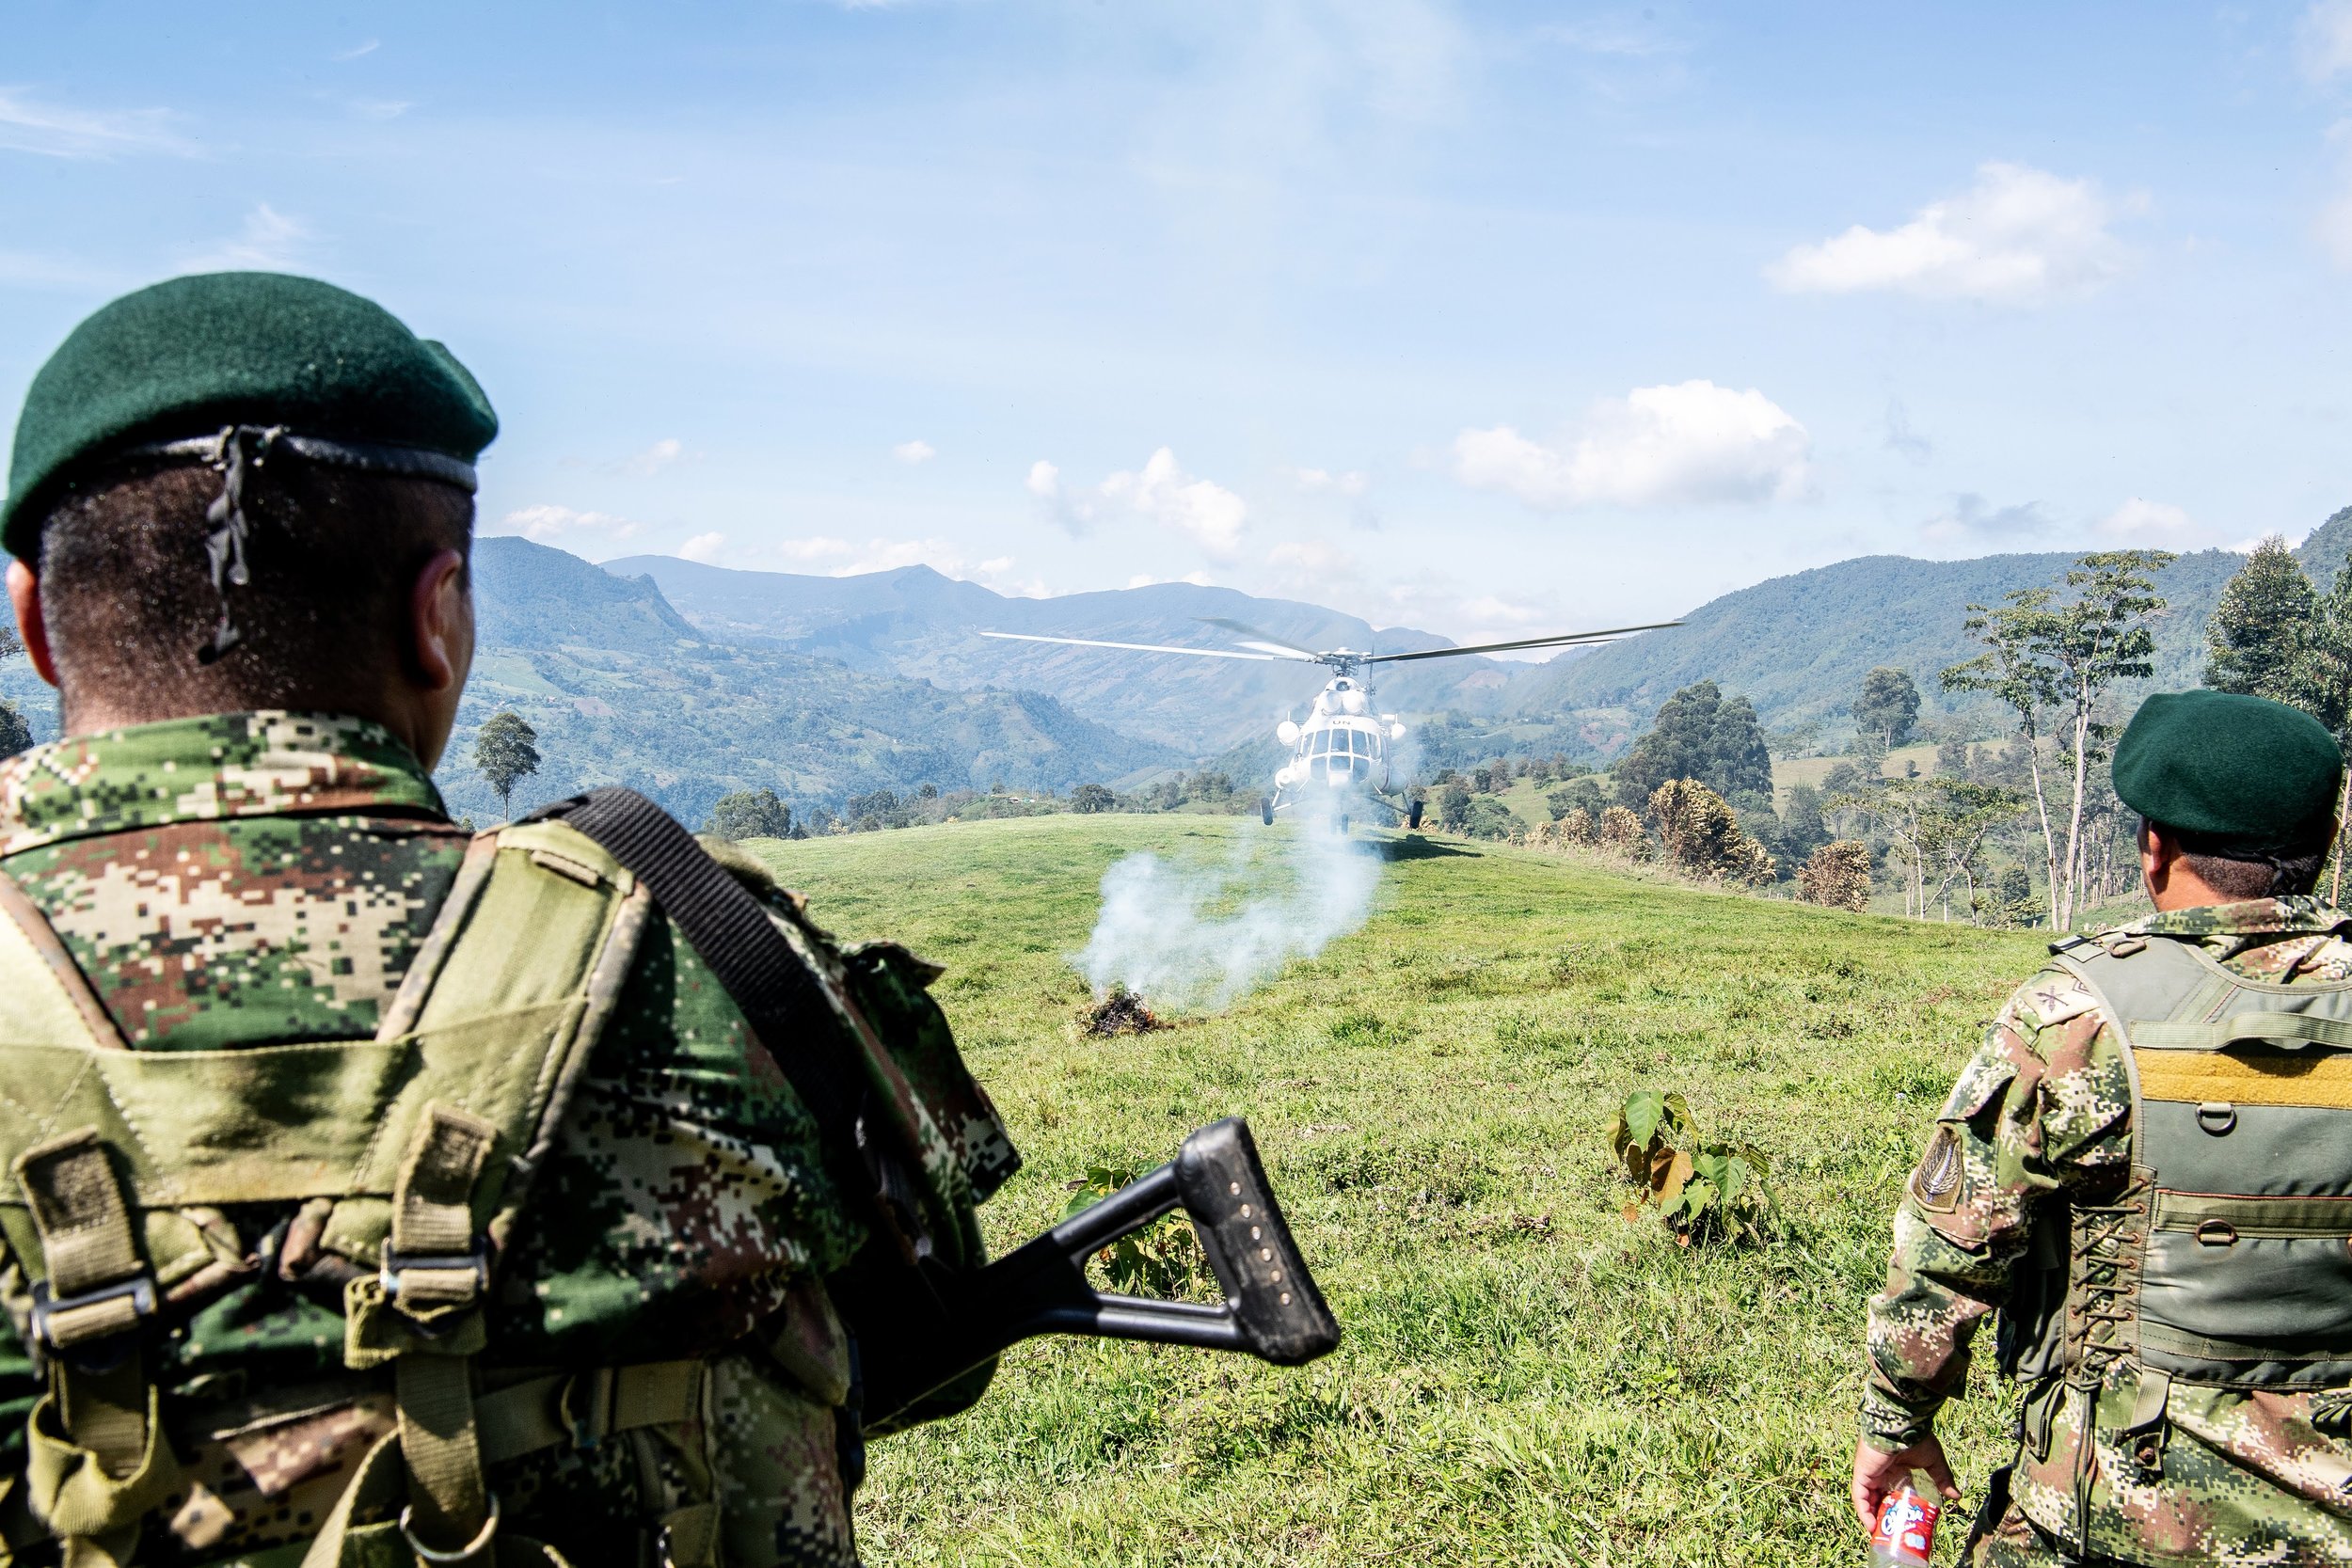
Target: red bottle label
[{"x": 1906, "y": 1528}]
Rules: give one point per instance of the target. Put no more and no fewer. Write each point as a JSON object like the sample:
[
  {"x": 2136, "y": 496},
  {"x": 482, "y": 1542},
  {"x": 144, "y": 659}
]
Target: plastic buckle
[{"x": 107, "y": 1352}]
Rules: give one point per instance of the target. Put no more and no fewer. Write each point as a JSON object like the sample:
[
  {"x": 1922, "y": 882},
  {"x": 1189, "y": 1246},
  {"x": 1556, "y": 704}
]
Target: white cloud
[
  {"x": 703, "y": 547},
  {"x": 2018, "y": 236},
  {"x": 380, "y": 108},
  {"x": 1312, "y": 555},
  {"x": 550, "y": 525},
  {"x": 654, "y": 458},
  {"x": 2148, "y": 522},
  {"x": 1902, "y": 437},
  {"x": 1656, "y": 446},
  {"x": 368, "y": 48},
  {"x": 1317, "y": 480},
  {"x": 913, "y": 453},
  {"x": 269, "y": 241},
  {"x": 2334, "y": 223},
  {"x": 1161, "y": 492},
  {"x": 59, "y": 132},
  {"x": 2323, "y": 40},
  {"x": 1972, "y": 519}
]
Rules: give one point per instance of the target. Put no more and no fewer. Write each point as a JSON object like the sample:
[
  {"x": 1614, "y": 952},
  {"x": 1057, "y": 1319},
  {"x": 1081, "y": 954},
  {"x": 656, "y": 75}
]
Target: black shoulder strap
[{"x": 730, "y": 931}]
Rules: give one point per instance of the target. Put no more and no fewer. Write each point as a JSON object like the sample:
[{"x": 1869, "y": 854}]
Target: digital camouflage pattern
[
  {"x": 2043, "y": 1107},
  {"x": 244, "y": 879}
]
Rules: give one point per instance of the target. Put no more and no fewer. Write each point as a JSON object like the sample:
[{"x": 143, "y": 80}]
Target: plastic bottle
[{"x": 1904, "y": 1536}]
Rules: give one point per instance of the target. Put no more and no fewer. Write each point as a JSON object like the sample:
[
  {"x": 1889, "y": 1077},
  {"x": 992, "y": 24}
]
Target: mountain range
[{"x": 687, "y": 680}]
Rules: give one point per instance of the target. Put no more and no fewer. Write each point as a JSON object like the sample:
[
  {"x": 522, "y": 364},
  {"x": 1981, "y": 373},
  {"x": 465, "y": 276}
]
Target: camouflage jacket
[
  {"x": 247, "y": 880},
  {"x": 2043, "y": 1108}
]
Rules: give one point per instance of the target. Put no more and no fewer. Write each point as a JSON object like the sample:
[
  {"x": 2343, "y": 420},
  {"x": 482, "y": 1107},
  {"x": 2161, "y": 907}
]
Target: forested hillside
[
  {"x": 914, "y": 621},
  {"x": 1797, "y": 646},
  {"x": 623, "y": 690}
]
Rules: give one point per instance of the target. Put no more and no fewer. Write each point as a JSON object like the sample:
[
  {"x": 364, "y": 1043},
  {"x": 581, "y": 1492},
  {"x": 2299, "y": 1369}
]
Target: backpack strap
[{"x": 804, "y": 1024}]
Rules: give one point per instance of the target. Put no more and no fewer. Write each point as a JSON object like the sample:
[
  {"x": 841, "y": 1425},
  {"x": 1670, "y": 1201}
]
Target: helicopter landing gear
[
  {"x": 1265, "y": 809},
  {"x": 1413, "y": 817}
]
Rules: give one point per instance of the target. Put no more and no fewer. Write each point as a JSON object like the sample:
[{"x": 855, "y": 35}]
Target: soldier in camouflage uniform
[
  {"x": 214, "y": 873},
  {"x": 2146, "y": 1170}
]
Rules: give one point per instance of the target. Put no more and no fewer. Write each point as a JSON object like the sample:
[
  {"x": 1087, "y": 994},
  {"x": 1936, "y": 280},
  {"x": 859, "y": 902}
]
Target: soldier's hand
[{"x": 1876, "y": 1473}]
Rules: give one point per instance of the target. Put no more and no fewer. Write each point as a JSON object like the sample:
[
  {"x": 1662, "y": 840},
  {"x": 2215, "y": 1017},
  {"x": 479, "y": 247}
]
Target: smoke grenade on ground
[{"x": 1200, "y": 938}]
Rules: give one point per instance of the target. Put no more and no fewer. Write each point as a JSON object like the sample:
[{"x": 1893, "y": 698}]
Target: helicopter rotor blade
[
  {"x": 1569, "y": 640},
  {"x": 1132, "y": 648},
  {"x": 1267, "y": 642}
]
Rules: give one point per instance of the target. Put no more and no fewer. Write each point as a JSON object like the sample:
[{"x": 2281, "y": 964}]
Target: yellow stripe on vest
[{"x": 2320, "y": 1078}]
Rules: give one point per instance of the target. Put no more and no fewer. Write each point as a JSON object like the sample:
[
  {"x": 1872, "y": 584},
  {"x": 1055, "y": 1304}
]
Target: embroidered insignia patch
[{"x": 1936, "y": 1183}]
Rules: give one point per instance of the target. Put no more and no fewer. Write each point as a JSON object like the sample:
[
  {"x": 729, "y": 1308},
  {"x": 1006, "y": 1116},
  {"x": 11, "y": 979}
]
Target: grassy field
[{"x": 1526, "y": 1378}]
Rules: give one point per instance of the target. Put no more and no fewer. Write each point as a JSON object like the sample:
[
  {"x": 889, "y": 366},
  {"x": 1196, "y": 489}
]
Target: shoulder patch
[
  {"x": 2050, "y": 997},
  {"x": 1935, "y": 1185}
]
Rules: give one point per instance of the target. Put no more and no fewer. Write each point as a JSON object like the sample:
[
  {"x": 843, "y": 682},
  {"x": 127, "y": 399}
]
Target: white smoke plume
[{"x": 1198, "y": 938}]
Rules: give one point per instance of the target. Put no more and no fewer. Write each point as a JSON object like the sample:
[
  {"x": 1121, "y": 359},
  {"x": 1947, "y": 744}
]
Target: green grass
[{"x": 1526, "y": 1378}]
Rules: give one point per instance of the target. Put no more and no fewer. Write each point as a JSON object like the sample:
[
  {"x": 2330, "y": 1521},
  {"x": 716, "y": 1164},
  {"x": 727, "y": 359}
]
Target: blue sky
[{"x": 1489, "y": 320}]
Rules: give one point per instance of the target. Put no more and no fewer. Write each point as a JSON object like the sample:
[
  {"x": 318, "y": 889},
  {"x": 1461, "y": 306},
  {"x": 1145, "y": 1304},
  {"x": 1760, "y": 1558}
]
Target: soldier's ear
[
  {"x": 441, "y": 623},
  {"x": 24, "y": 594}
]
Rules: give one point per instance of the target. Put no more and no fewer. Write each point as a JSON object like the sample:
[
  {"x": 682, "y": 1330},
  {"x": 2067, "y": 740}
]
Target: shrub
[
  {"x": 1620, "y": 834},
  {"x": 1704, "y": 1191},
  {"x": 1702, "y": 834},
  {"x": 1162, "y": 1259},
  {"x": 1837, "y": 876}
]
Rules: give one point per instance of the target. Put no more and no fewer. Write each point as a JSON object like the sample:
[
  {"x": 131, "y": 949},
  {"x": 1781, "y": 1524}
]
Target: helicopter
[{"x": 1339, "y": 759}]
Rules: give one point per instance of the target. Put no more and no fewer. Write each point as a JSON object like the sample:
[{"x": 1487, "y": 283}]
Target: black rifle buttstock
[{"x": 1272, "y": 1308}]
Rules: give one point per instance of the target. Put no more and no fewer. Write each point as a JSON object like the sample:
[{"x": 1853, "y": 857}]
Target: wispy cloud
[
  {"x": 1973, "y": 521},
  {"x": 1902, "y": 437},
  {"x": 2323, "y": 40},
  {"x": 1161, "y": 492},
  {"x": 368, "y": 48},
  {"x": 912, "y": 454},
  {"x": 380, "y": 108},
  {"x": 1322, "y": 481},
  {"x": 703, "y": 547},
  {"x": 1691, "y": 443},
  {"x": 53, "y": 131},
  {"x": 574, "y": 530},
  {"x": 269, "y": 241},
  {"x": 2146, "y": 522},
  {"x": 2018, "y": 236},
  {"x": 654, "y": 458}
]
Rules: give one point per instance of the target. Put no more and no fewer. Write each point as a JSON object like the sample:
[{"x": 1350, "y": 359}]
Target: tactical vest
[
  {"x": 2224, "y": 1256},
  {"x": 411, "y": 1157}
]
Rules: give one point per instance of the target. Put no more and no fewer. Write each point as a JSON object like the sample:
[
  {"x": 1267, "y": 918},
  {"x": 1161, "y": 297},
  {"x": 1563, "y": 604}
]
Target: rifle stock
[{"x": 1272, "y": 1310}]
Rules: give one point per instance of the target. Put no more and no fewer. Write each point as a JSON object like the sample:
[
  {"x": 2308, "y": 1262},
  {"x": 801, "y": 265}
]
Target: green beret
[
  {"x": 2244, "y": 769},
  {"x": 185, "y": 359}
]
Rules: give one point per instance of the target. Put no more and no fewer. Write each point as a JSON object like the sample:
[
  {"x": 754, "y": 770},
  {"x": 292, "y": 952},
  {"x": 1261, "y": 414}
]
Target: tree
[
  {"x": 2255, "y": 640},
  {"x": 750, "y": 814},
  {"x": 1802, "y": 829},
  {"x": 1090, "y": 797},
  {"x": 1699, "y": 733},
  {"x": 506, "y": 750},
  {"x": 15, "y": 734},
  {"x": 2322, "y": 686},
  {"x": 1620, "y": 834},
  {"x": 1454, "y": 806},
  {"x": 1837, "y": 874},
  {"x": 2044, "y": 653},
  {"x": 1701, "y": 834},
  {"x": 1577, "y": 795},
  {"x": 1889, "y": 706}
]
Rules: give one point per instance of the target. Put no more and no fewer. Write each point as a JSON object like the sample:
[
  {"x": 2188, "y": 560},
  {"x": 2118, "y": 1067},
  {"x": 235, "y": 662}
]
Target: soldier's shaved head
[{"x": 127, "y": 598}]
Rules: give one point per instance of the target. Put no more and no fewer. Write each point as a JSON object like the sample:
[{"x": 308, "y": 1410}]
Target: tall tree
[
  {"x": 2255, "y": 640},
  {"x": 2323, "y": 687},
  {"x": 750, "y": 814},
  {"x": 2063, "y": 656},
  {"x": 1889, "y": 706},
  {"x": 506, "y": 750},
  {"x": 1699, "y": 733}
]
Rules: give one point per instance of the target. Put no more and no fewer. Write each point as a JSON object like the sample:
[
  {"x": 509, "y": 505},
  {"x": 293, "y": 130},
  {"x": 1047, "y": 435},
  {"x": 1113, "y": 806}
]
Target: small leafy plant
[
  {"x": 1162, "y": 1259},
  {"x": 1704, "y": 1190}
]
